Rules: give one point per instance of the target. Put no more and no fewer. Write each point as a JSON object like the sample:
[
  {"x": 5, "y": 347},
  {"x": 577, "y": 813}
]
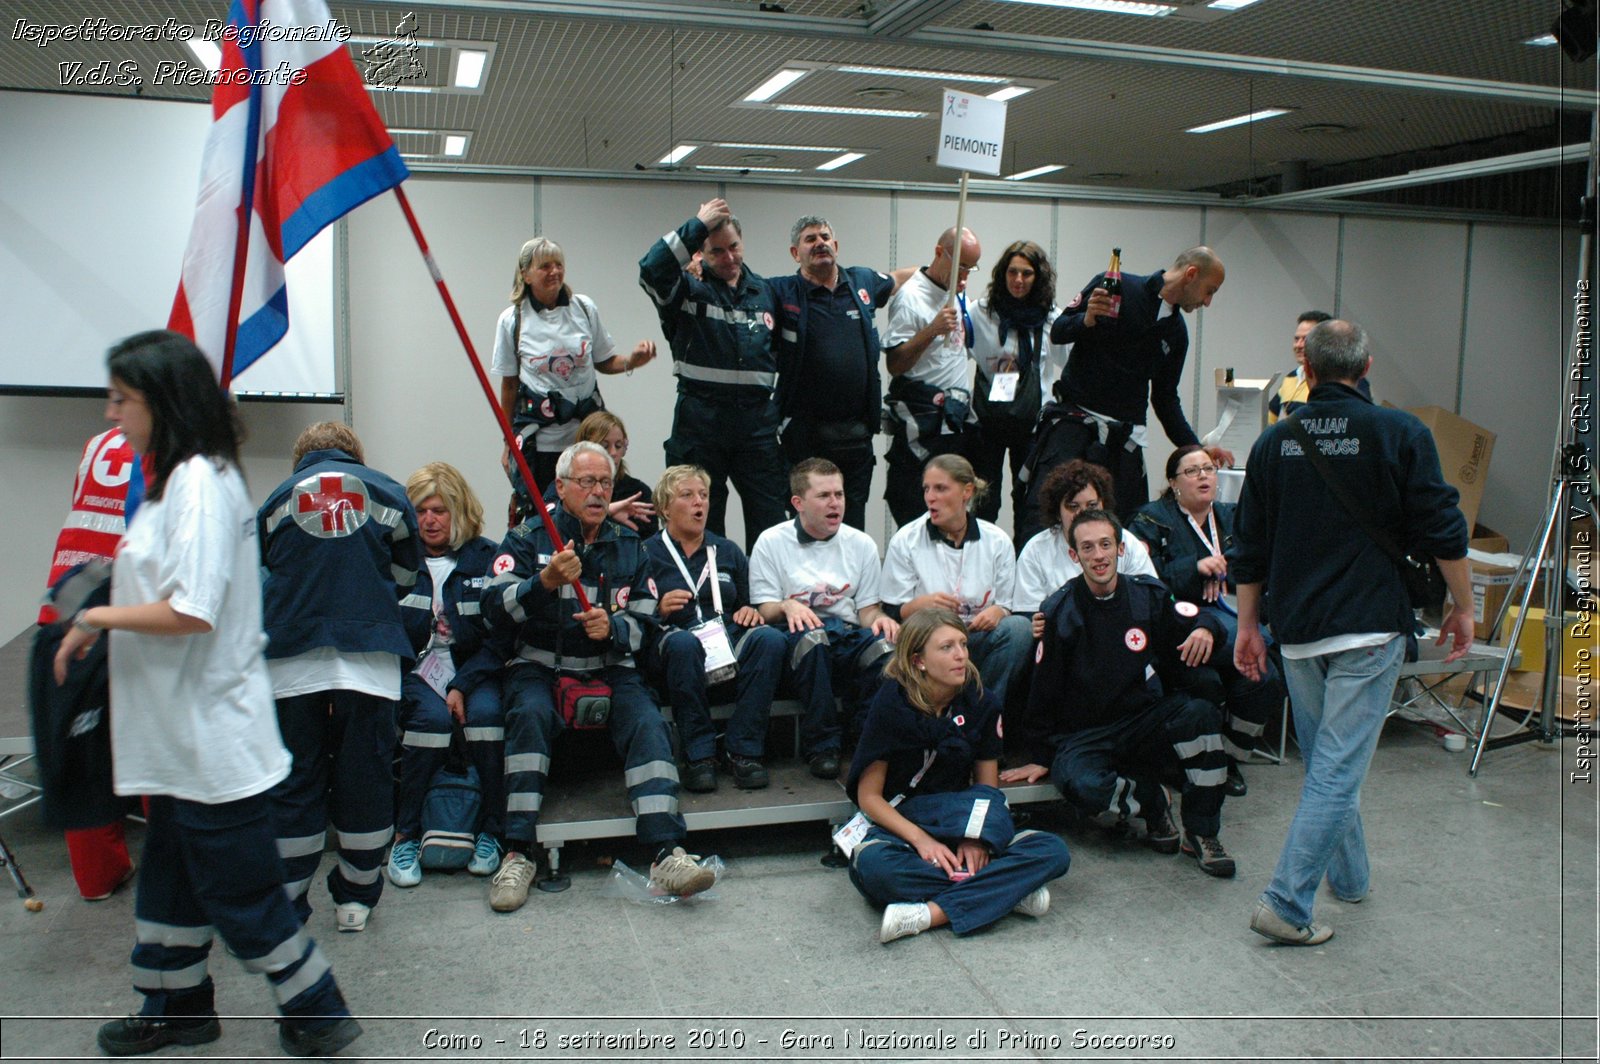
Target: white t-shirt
[
  {"x": 373, "y": 672},
  {"x": 194, "y": 717},
  {"x": 1044, "y": 566},
  {"x": 911, "y": 308},
  {"x": 836, "y": 577},
  {"x": 981, "y": 572},
  {"x": 988, "y": 352},
  {"x": 557, "y": 352}
]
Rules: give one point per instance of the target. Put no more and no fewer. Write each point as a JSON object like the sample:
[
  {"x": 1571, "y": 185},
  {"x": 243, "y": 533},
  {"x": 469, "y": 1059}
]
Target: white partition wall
[{"x": 413, "y": 399}]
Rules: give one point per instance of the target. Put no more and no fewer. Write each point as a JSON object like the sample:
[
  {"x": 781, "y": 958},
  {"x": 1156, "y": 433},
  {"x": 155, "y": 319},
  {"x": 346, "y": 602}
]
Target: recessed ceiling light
[
  {"x": 910, "y": 72},
  {"x": 1116, "y": 7},
  {"x": 677, "y": 155},
  {"x": 206, "y": 52},
  {"x": 879, "y": 92},
  {"x": 775, "y": 84},
  {"x": 469, "y": 68},
  {"x": 1330, "y": 129},
  {"x": 774, "y": 147},
  {"x": 1230, "y": 5},
  {"x": 1010, "y": 92},
  {"x": 758, "y": 158},
  {"x": 1544, "y": 40},
  {"x": 750, "y": 169},
  {"x": 1239, "y": 120},
  {"x": 1037, "y": 171},
  {"x": 455, "y": 144},
  {"x": 866, "y": 112},
  {"x": 844, "y": 160}
]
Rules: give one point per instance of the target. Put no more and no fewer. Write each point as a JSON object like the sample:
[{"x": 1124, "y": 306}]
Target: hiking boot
[
  {"x": 904, "y": 918},
  {"x": 748, "y": 773},
  {"x": 1234, "y": 786},
  {"x": 508, "y": 890},
  {"x": 1269, "y": 924},
  {"x": 1036, "y": 904},
  {"x": 680, "y": 873},
  {"x": 700, "y": 776},
  {"x": 298, "y": 1041},
  {"x": 824, "y": 765},
  {"x": 134, "y": 1034},
  {"x": 1160, "y": 833},
  {"x": 405, "y": 865},
  {"x": 1208, "y": 851},
  {"x": 485, "y": 855}
]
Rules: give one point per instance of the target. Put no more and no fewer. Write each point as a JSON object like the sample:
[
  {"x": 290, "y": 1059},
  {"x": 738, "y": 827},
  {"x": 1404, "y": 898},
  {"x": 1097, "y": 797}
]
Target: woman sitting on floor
[{"x": 942, "y": 849}]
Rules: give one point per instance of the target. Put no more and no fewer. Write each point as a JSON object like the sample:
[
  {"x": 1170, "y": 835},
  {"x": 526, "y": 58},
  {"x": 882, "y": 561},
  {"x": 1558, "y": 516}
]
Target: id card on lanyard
[
  {"x": 1213, "y": 544},
  {"x": 713, "y": 635},
  {"x": 855, "y": 829}
]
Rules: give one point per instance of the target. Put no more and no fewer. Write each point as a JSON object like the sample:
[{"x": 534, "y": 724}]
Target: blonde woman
[
  {"x": 458, "y": 670},
  {"x": 942, "y": 849},
  {"x": 548, "y": 346}
]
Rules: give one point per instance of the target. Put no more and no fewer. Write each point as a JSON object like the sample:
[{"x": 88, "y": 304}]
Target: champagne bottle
[{"x": 1113, "y": 285}]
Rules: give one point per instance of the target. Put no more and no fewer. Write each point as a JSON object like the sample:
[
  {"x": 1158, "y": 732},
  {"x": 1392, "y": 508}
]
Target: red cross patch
[
  {"x": 504, "y": 564},
  {"x": 766, "y": 319},
  {"x": 1038, "y": 652},
  {"x": 1186, "y": 609},
  {"x": 1136, "y": 639},
  {"x": 960, "y": 721},
  {"x": 622, "y": 598},
  {"x": 331, "y": 505},
  {"x": 866, "y": 297},
  {"x": 650, "y": 582}
]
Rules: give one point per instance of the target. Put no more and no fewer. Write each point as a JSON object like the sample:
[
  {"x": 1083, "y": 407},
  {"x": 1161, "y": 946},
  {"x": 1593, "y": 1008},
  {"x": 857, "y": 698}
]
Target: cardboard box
[
  {"x": 1576, "y": 641},
  {"x": 1493, "y": 569},
  {"x": 1464, "y": 453}
]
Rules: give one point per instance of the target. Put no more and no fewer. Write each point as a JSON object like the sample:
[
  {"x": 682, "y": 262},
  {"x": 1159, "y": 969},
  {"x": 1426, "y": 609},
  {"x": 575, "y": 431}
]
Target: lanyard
[
  {"x": 927, "y": 763},
  {"x": 1214, "y": 543},
  {"x": 695, "y": 585}
]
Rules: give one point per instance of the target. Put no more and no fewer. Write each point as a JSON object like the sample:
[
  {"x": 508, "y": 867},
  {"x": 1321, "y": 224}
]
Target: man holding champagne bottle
[{"x": 1129, "y": 342}]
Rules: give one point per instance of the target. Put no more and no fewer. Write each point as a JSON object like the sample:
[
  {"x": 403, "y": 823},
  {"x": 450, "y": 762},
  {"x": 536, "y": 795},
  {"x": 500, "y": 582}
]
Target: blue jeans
[
  {"x": 1340, "y": 703},
  {"x": 998, "y": 653}
]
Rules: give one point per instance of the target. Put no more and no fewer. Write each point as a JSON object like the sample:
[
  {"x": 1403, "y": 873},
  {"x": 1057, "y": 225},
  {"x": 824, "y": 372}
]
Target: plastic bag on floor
[{"x": 629, "y": 885}]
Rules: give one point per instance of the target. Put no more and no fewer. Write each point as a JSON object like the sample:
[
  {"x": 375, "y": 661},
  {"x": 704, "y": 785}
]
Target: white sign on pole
[{"x": 972, "y": 130}]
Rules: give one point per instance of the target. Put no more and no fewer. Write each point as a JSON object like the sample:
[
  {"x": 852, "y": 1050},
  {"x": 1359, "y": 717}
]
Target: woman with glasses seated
[
  {"x": 1044, "y": 565},
  {"x": 1190, "y": 536}
]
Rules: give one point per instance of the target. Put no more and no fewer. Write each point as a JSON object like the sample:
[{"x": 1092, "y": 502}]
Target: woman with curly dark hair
[
  {"x": 1070, "y": 489},
  {"x": 1010, "y": 343}
]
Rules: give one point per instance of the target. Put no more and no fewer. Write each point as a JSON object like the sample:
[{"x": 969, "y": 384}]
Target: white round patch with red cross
[
  {"x": 1136, "y": 639},
  {"x": 504, "y": 564},
  {"x": 622, "y": 597},
  {"x": 866, "y": 297},
  {"x": 766, "y": 319},
  {"x": 1038, "y": 652},
  {"x": 330, "y": 505},
  {"x": 1186, "y": 609},
  {"x": 650, "y": 582}
]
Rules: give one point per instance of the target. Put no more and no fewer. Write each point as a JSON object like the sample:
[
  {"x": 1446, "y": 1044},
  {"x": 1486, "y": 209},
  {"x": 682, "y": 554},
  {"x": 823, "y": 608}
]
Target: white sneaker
[
  {"x": 405, "y": 866},
  {"x": 681, "y": 874},
  {"x": 352, "y": 916},
  {"x": 1036, "y": 904},
  {"x": 902, "y": 919},
  {"x": 508, "y": 890}
]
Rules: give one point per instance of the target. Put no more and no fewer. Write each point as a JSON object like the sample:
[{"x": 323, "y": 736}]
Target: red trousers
[{"x": 99, "y": 858}]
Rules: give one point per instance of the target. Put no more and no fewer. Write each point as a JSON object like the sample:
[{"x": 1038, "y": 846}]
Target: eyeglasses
[
  {"x": 1077, "y": 507},
  {"x": 590, "y": 483},
  {"x": 1195, "y": 472}
]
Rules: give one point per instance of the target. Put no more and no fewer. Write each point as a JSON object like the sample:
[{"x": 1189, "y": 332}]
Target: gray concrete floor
[{"x": 1477, "y": 942}]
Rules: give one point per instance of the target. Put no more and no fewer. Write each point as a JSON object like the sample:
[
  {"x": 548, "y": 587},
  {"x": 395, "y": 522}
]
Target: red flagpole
[{"x": 483, "y": 382}]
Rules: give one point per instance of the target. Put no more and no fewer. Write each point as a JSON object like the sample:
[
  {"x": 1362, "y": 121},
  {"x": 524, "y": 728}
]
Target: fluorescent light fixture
[
  {"x": 469, "y": 68},
  {"x": 844, "y": 160},
  {"x": 911, "y": 72},
  {"x": 1010, "y": 92},
  {"x": 1230, "y": 5},
  {"x": 1115, "y": 7},
  {"x": 677, "y": 155},
  {"x": 1037, "y": 171},
  {"x": 209, "y": 54},
  {"x": 455, "y": 144},
  {"x": 1544, "y": 40},
  {"x": 772, "y": 147},
  {"x": 775, "y": 84},
  {"x": 750, "y": 169},
  {"x": 828, "y": 109},
  {"x": 1239, "y": 120}
]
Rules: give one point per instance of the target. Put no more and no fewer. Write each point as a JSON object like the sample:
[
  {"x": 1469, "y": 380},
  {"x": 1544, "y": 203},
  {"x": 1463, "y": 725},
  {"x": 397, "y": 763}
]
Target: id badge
[
  {"x": 437, "y": 670},
  {"x": 849, "y": 837},
  {"x": 1003, "y": 387},
  {"x": 714, "y": 637}
]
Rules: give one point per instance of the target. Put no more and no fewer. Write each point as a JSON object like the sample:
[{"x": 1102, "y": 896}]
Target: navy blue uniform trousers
[
  {"x": 682, "y": 665},
  {"x": 214, "y": 867},
  {"x": 425, "y": 745},
  {"x": 837, "y": 657}
]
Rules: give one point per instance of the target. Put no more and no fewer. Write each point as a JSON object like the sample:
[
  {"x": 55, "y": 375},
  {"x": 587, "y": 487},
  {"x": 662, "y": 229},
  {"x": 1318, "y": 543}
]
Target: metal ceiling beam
[
  {"x": 1505, "y": 164},
  {"x": 906, "y": 16},
  {"x": 742, "y": 18}
]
